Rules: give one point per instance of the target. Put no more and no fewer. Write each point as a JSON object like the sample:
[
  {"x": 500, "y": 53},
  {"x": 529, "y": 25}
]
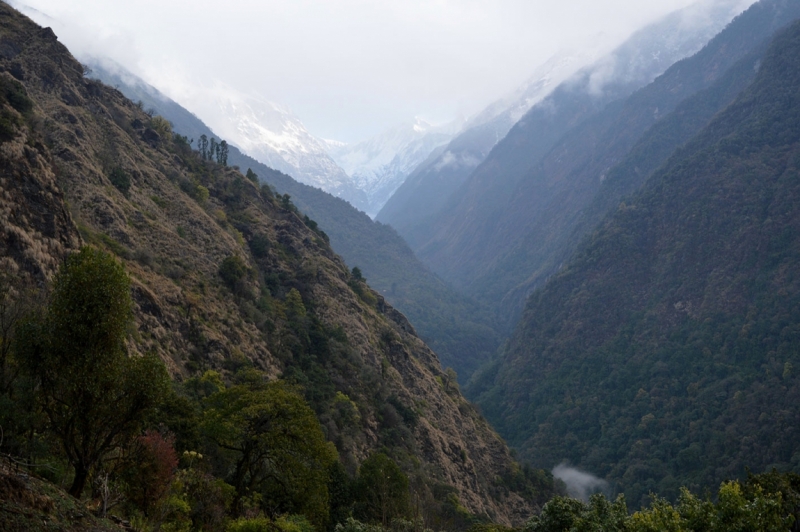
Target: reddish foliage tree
[{"x": 152, "y": 471}]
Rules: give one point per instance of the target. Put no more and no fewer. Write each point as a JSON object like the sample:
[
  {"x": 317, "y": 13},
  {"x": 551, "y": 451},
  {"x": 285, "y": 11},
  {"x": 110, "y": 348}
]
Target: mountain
[
  {"x": 521, "y": 230},
  {"x": 379, "y": 165},
  {"x": 225, "y": 275},
  {"x": 428, "y": 185},
  {"x": 265, "y": 131},
  {"x": 272, "y": 135},
  {"x": 458, "y": 329},
  {"x": 664, "y": 352},
  {"x": 429, "y": 196}
]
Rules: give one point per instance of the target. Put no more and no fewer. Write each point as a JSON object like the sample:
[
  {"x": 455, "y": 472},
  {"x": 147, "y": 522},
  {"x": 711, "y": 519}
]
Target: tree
[
  {"x": 383, "y": 490},
  {"x": 213, "y": 148},
  {"x": 202, "y": 145},
  {"x": 13, "y": 308},
  {"x": 234, "y": 271},
  {"x": 252, "y": 176},
  {"x": 151, "y": 471},
  {"x": 95, "y": 396},
  {"x": 277, "y": 445},
  {"x": 18, "y": 299},
  {"x": 222, "y": 156}
]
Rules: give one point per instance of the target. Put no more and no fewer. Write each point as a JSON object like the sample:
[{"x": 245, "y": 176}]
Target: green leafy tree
[
  {"x": 252, "y": 176},
  {"x": 234, "y": 271},
  {"x": 383, "y": 490},
  {"x": 95, "y": 397},
  {"x": 277, "y": 446},
  {"x": 120, "y": 179}
]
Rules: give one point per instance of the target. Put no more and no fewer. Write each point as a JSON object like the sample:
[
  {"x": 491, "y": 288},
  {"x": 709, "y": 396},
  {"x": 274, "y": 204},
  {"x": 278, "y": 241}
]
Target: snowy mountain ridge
[
  {"x": 271, "y": 134},
  {"x": 379, "y": 165}
]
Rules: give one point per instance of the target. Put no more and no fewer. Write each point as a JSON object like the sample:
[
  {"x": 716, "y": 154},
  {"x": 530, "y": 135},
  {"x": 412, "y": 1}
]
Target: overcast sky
[{"x": 347, "y": 68}]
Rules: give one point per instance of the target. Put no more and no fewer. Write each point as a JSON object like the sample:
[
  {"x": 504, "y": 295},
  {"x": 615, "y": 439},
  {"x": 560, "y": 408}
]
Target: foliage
[
  {"x": 383, "y": 490},
  {"x": 161, "y": 126},
  {"x": 152, "y": 469},
  {"x": 95, "y": 397},
  {"x": 277, "y": 447},
  {"x": 234, "y": 271},
  {"x": 284, "y": 523},
  {"x": 120, "y": 179},
  {"x": 738, "y": 507}
]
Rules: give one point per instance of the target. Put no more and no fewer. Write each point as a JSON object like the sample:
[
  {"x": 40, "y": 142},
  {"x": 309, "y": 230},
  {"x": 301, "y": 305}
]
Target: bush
[
  {"x": 233, "y": 271},
  {"x": 260, "y": 245},
  {"x": 120, "y": 179},
  {"x": 161, "y": 125}
]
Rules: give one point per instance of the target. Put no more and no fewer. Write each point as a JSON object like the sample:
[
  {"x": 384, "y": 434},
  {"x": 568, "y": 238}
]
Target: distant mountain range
[
  {"x": 484, "y": 237},
  {"x": 664, "y": 352},
  {"x": 364, "y": 174},
  {"x": 587, "y": 80},
  {"x": 272, "y": 135},
  {"x": 379, "y": 165},
  {"x": 430, "y": 183}
]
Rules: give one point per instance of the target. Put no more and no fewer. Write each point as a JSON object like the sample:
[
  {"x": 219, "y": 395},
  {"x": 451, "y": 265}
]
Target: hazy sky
[{"x": 347, "y": 68}]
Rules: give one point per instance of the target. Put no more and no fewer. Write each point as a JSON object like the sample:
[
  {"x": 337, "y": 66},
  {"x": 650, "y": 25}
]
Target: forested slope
[
  {"x": 445, "y": 180},
  {"x": 665, "y": 352},
  {"x": 498, "y": 246},
  {"x": 226, "y": 276}
]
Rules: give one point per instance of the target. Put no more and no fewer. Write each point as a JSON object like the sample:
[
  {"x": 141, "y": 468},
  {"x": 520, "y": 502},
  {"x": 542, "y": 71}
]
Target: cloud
[
  {"x": 580, "y": 484},
  {"x": 350, "y": 68}
]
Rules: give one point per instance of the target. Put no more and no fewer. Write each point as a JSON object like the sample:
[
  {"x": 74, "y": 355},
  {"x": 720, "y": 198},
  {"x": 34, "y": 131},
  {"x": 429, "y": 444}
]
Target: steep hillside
[
  {"x": 664, "y": 353},
  {"x": 226, "y": 275},
  {"x": 441, "y": 192},
  {"x": 456, "y": 328},
  {"x": 507, "y": 246}
]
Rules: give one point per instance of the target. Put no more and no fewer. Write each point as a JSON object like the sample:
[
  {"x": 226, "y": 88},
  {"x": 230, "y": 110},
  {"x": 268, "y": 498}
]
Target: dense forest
[{"x": 664, "y": 353}]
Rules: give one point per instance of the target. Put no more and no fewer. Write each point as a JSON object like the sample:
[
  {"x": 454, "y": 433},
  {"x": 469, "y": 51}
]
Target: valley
[{"x": 577, "y": 309}]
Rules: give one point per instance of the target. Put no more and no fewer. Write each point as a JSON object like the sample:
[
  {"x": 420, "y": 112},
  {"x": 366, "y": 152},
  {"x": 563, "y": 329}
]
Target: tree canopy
[
  {"x": 94, "y": 396},
  {"x": 278, "y": 448}
]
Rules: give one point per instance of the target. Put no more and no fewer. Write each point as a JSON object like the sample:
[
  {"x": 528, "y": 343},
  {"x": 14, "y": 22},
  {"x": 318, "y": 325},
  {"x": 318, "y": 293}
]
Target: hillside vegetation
[
  {"x": 239, "y": 297},
  {"x": 460, "y": 331},
  {"x": 665, "y": 352}
]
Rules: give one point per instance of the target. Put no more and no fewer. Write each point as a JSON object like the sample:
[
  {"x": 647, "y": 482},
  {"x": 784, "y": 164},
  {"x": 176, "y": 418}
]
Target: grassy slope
[
  {"x": 456, "y": 328},
  {"x": 179, "y": 220}
]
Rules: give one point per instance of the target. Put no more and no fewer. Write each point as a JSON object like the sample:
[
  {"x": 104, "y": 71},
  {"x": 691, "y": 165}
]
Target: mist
[
  {"x": 348, "y": 69},
  {"x": 580, "y": 484}
]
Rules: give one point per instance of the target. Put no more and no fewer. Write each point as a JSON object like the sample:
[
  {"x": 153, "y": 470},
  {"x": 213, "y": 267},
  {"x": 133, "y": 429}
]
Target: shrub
[
  {"x": 233, "y": 271},
  {"x": 120, "y": 179}
]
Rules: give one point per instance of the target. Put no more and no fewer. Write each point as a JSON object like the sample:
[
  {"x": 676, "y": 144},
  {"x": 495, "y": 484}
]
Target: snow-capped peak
[{"x": 379, "y": 165}]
